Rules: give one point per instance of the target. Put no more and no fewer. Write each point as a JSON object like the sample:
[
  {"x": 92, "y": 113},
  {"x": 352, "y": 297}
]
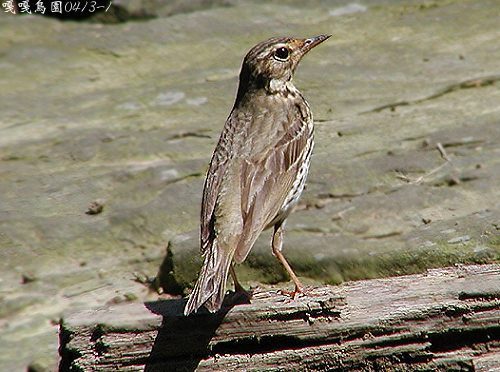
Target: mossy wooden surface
[{"x": 129, "y": 114}]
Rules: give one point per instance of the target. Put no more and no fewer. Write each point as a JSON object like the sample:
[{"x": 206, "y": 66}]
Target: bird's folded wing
[
  {"x": 221, "y": 163},
  {"x": 213, "y": 183},
  {"x": 266, "y": 180}
]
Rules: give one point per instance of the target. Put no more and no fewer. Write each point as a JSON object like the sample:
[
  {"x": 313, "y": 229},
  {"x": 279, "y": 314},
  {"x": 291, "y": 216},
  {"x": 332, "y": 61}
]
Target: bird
[{"x": 258, "y": 169}]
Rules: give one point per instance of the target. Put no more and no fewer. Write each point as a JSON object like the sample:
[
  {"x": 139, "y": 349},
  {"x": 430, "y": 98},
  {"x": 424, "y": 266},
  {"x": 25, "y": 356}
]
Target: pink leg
[
  {"x": 237, "y": 286},
  {"x": 277, "y": 245}
]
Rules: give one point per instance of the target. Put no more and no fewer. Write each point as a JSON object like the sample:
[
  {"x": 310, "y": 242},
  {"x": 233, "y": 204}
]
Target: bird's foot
[{"x": 298, "y": 291}]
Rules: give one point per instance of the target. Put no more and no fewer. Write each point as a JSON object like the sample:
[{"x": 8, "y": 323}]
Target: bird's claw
[{"x": 298, "y": 291}]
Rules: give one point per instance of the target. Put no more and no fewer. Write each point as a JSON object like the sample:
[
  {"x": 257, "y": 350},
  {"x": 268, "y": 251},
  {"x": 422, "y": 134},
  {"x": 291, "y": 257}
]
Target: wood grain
[{"x": 443, "y": 319}]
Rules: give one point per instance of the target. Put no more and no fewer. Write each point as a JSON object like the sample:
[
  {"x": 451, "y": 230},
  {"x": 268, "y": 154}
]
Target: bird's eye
[{"x": 281, "y": 54}]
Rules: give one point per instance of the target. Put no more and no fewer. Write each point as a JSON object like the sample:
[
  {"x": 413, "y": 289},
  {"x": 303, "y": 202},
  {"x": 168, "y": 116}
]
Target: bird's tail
[{"x": 210, "y": 288}]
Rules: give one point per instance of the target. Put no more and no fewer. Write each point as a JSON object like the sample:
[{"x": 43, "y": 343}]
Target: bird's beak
[{"x": 310, "y": 43}]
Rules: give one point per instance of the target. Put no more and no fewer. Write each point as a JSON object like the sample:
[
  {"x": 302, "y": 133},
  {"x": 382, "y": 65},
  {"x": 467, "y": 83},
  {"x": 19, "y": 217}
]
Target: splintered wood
[{"x": 444, "y": 319}]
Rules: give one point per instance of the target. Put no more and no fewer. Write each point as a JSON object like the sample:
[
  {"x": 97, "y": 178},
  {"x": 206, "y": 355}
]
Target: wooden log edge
[{"x": 444, "y": 319}]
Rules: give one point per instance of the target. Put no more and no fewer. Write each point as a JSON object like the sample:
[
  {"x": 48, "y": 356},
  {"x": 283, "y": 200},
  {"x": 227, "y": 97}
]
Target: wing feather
[
  {"x": 266, "y": 183},
  {"x": 213, "y": 181}
]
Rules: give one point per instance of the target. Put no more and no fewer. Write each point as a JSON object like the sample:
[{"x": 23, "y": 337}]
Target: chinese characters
[{"x": 56, "y": 7}]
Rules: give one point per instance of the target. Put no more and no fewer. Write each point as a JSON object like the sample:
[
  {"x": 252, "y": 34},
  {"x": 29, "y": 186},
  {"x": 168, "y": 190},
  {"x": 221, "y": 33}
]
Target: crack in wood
[
  {"x": 194, "y": 134},
  {"x": 467, "y": 84}
]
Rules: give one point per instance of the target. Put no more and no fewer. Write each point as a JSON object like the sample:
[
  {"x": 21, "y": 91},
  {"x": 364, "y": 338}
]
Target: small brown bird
[{"x": 258, "y": 169}]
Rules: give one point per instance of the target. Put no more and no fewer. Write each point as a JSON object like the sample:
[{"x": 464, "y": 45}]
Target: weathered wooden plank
[{"x": 445, "y": 318}]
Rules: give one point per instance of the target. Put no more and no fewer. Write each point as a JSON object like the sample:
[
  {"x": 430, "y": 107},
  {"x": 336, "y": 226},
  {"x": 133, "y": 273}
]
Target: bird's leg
[
  {"x": 277, "y": 244},
  {"x": 237, "y": 286}
]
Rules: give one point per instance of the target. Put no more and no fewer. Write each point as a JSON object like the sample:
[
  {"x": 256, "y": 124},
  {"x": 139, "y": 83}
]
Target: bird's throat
[{"x": 280, "y": 86}]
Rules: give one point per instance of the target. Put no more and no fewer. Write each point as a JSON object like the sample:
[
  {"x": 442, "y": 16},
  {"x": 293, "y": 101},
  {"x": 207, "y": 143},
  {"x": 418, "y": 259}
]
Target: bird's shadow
[{"x": 182, "y": 342}]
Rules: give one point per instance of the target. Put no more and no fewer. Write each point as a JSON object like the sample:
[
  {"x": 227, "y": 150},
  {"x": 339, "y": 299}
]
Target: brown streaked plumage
[{"x": 258, "y": 169}]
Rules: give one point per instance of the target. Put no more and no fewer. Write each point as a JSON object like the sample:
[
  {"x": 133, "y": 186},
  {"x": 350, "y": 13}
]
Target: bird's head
[{"x": 276, "y": 58}]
